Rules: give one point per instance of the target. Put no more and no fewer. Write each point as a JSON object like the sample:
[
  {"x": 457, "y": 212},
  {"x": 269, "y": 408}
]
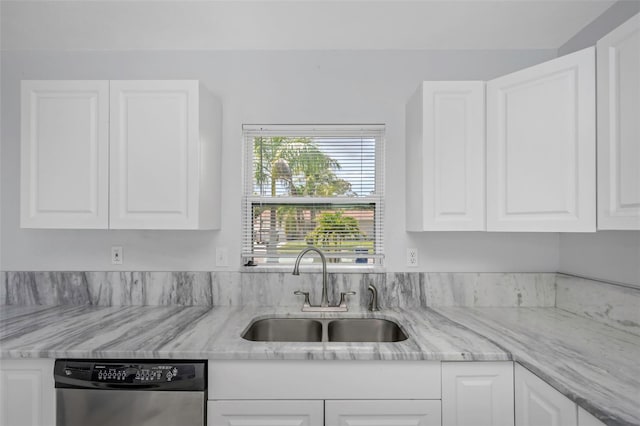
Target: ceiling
[{"x": 294, "y": 24}]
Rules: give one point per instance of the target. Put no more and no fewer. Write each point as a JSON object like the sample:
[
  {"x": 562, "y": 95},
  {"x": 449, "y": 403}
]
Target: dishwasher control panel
[
  {"x": 130, "y": 373},
  {"x": 135, "y": 373}
]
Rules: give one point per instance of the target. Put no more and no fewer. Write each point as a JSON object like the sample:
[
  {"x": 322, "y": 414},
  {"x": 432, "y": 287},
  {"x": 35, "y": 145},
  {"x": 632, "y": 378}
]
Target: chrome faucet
[
  {"x": 324, "y": 303},
  {"x": 296, "y": 271}
]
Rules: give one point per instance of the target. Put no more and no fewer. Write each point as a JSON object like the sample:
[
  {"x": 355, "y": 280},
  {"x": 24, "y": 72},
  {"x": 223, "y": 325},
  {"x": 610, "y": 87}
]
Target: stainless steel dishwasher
[{"x": 130, "y": 392}]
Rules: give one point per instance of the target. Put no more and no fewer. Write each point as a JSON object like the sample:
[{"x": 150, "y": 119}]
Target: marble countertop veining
[
  {"x": 214, "y": 333},
  {"x": 593, "y": 364}
]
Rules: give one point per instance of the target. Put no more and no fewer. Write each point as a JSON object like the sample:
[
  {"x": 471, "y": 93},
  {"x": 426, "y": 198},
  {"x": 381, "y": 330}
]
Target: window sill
[{"x": 338, "y": 269}]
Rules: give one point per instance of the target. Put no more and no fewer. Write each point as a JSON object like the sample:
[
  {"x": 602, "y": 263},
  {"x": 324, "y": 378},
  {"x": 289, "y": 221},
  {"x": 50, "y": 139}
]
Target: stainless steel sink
[
  {"x": 364, "y": 330},
  {"x": 319, "y": 330},
  {"x": 284, "y": 330}
]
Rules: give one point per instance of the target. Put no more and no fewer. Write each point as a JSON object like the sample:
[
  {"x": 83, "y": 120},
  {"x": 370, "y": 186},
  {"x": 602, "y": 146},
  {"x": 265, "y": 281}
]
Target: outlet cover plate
[
  {"x": 412, "y": 257},
  {"x": 116, "y": 255}
]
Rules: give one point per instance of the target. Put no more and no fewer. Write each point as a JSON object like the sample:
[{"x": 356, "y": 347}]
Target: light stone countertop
[
  {"x": 591, "y": 363},
  {"x": 200, "y": 332}
]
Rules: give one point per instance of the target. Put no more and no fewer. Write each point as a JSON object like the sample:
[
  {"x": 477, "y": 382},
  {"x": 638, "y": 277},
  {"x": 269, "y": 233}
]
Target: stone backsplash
[{"x": 274, "y": 289}]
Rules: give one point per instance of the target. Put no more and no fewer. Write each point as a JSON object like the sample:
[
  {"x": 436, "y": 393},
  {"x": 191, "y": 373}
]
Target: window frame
[{"x": 249, "y": 199}]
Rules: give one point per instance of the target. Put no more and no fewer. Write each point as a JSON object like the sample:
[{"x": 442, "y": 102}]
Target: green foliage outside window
[
  {"x": 297, "y": 167},
  {"x": 333, "y": 229}
]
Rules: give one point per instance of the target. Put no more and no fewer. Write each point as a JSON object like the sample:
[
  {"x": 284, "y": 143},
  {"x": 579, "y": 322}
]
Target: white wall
[
  {"x": 606, "y": 255},
  {"x": 620, "y": 12},
  {"x": 264, "y": 87}
]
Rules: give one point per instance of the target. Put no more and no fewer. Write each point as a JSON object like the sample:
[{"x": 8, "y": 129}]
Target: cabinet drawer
[
  {"x": 265, "y": 413},
  {"x": 388, "y": 413},
  {"x": 274, "y": 379}
]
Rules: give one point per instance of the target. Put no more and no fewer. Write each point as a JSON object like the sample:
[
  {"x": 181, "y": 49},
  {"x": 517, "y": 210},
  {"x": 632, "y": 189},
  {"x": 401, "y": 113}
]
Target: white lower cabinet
[
  {"x": 388, "y": 413},
  {"x": 265, "y": 413},
  {"x": 385, "y": 393},
  {"x": 319, "y": 380},
  {"x": 27, "y": 394},
  {"x": 586, "y": 419},
  {"x": 477, "y": 393},
  {"x": 539, "y": 404},
  {"x": 331, "y": 393},
  {"x": 319, "y": 413}
]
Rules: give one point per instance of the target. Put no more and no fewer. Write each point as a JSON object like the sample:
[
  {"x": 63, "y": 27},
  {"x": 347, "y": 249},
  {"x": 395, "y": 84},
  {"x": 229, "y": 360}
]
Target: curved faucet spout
[{"x": 296, "y": 271}]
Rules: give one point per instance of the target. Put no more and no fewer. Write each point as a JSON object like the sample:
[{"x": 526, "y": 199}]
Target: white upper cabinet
[
  {"x": 541, "y": 173},
  {"x": 64, "y": 179},
  {"x": 445, "y": 157},
  {"x": 163, "y": 173},
  {"x": 619, "y": 127},
  {"x": 120, "y": 155}
]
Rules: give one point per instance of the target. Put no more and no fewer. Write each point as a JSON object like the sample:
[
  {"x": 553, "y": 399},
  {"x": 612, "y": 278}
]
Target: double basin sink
[{"x": 324, "y": 330}]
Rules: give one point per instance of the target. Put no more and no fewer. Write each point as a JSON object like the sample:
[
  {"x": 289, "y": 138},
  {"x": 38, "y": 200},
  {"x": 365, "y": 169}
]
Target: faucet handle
[
  {"x": 306, "y": 297},
  {"x": 343, "y": 295}
]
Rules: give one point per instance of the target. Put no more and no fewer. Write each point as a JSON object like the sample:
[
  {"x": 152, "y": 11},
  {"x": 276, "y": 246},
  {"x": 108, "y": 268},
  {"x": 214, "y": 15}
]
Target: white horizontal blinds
[
  {"x": 313, "y": 185},
  {"x": 342, "y": 231},
  {"x": 314, "y": 162}
]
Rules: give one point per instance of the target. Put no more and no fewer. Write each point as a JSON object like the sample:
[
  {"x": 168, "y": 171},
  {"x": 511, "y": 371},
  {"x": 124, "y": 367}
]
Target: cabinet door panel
[
  {"x": 587, "y": 419},
  {"x": 537, "y": 403},
  {"x": 64, "y": 154},
  {"x": 265, "y": 413},
  {"x": 619, "y": 127},
  {"x": 477, "y": 393},
  {"x": 445, "y": 157},
  {"x": 27, "y": 393},
  {"x": 541, "y": 147},
  {"x": 381, "y": 412},
  {"x": 154, "y": 152}
]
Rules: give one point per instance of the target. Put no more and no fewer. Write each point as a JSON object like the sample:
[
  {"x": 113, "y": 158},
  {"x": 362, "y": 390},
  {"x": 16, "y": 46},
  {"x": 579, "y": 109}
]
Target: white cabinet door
[
  {"x": 541, "y": 147},
  {"x": 382, "y": 412},
  {"x": 619, "y": 127},
  {"x": 477, "y": 394},
  {"x": 445, "y": 157},
  {"x": 539, "y": 404},
  {"x": 64, "y": 154},
  {"x": 120, "y": 155},
  {"x": 586, "y": 419},
  {"x": 156, "y": 155},
  {"x": 265, "y": 413},
  {"x": 27, "y": 394}
]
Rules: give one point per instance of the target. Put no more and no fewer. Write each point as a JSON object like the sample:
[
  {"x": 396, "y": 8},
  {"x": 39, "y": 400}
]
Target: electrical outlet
[
  {"x": 116, "y": 256},
  {"x": 412, "y": 257},
  {"x": 222, "y": 256}
]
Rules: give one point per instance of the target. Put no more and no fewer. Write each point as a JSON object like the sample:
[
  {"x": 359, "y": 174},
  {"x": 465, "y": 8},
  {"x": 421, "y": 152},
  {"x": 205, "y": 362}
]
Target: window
[{"x": 316, "y": 186}]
